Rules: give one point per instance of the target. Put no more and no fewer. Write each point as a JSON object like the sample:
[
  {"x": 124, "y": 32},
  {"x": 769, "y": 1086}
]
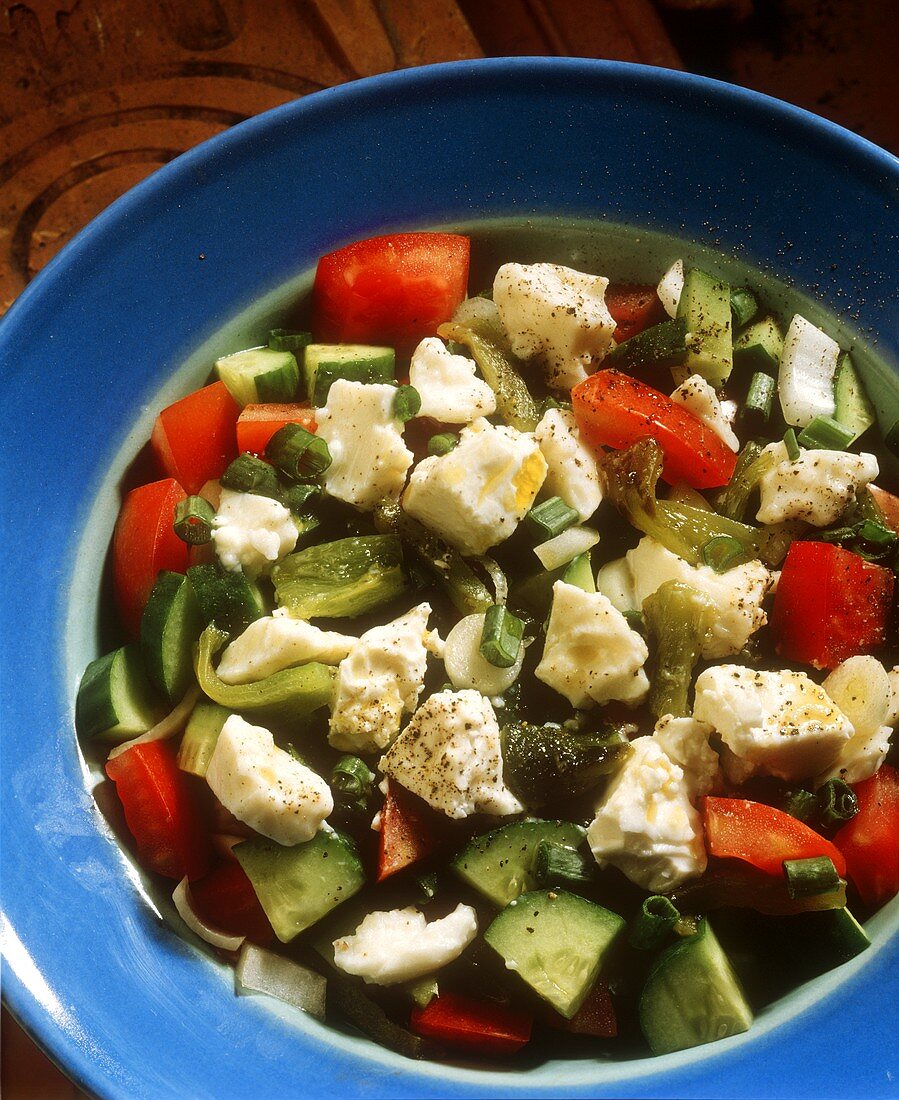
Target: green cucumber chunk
[
  {"x": 852, "y": 406},
  {"x": 500, "y": 864},
  {"x": 169, "y": 629},
  {"x": 705, "y": 309},
  {"x": 325, "y": 363},
  {"x": 759, "y": 346},
  {"x": 115, "y": 698},
  {"x": 200, "y": 737},
  {"x": 556, "y": 942},
  {"x": 692, "y": 996},
  {"x": 579, "y": 572},
  {"x": 297, "y": 886},
  {"x": 260, "y": 376}
]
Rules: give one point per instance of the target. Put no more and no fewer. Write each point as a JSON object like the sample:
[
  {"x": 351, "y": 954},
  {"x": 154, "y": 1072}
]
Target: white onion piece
[
  {"x": 671, "y": 286},
  {"x": 261, "y": 971},
  {"x": 500, "y": 584},
  {"x": 477, "y": 309},
  {"x": 465, "y": 665},
  {"x": 563, "y": 548},
  {"x": 184, "y": 904},
  {"x": 860, "y": 687},
  {"x": 173, "y": 723},
  {"x": 805, "y": 380},
  {"x": 615, "y": 582}
]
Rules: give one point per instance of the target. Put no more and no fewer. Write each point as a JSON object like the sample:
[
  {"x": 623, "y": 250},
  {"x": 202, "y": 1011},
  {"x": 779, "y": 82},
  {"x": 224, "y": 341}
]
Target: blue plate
[{"x": 90, "y": 352}]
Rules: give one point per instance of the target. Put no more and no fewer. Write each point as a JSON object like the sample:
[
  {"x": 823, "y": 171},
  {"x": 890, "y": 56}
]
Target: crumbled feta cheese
[
  {"x": 860, "y": 687},
  {"x": 449, "y": 755},
  {"x": 275, "y": 642},
  {"x": 591, "y": 655},
  {"x": 400, "y": 945},
  {"x": 671, "y": 286},
  {"x": 818, "y": 487},
  {"x": 379, "y": 681},
  {"x": 251, "y": 532},
  {"x": 572, "y": 471},
  {"x": 772, "y": 723},
  {"x": 892, "y": 718},
  {"x": 686, "y": 742},
  {"x": 476, "y": 495},
  {"x": 449, "y": 388},
  {"x": 556, "y": 313},
  {"x": 646, "y": 824},
  {"x": 369, "y": 459},
  {"x": 264, "y": 786},
  {"x": 699, "y": 398},
  {"x": 737, "y": 594}
]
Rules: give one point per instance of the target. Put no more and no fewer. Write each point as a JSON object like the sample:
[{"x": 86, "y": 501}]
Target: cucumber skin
[
  {"x": 169, "y": 629},
  {"x": 96, "y": 712},
  {"x": 852, "y": 406},
  {"x": 705, "y": 309},
  {"x": 354, "y": 362},
  {"x": 200, "y": 737}
]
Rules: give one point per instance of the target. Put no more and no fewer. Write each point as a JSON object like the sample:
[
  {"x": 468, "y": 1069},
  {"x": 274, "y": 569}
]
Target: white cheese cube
[
  {"x": 449, "y": 755},
  {"x": 369, "y": 459},
  {"x": 400, "y": 945},
  {"x": 892, "y": 718},
  {"x": 450, "y": 391},
  {"x": 378, "y": 682},
  {"x": 699, "y": 398},
  {"x": 264, "y": 786},
  {"x": 737, "y": 594},
  {"x": 817, "y": 488},
  {"x": 556, "y": 313},
  {"x": 276, "y": 642},
  {"x": 251, "y": 532},
  {"x": 572, "y": 471},
  {"x": 773, "y": 723},
  {"x": 671, "y": 286},
  {"x": 860, "y": 687},
  {"x": 805, "y": 379},
  {"x": 591, "y": 655},
  {"x": 686, "y": 742},
  {"x": 475, "y": 496}
]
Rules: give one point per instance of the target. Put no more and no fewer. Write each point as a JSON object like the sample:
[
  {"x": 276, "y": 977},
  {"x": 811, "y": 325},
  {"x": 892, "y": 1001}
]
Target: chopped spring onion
[
  {"x": 808, "y": 877},
  {"x": 559, "y": 865},
  {"x": 560, "y": 550},
  {"x": 249, "y": 474},
  {"x": 671, "y": 286},
  {"x": 635, "y": 620},
  {"x": 826, "y": 434},
  {"x": 285, "y": 339},
  {"x": 870, "y": 530},
  {"x": 653, "y": 923},
  {"x": 174, "y": 722},
  {"x": 721, "y": 552},
  {"x": 428, "y": 885},
  {"x": 837, "y": 802},
  {"x": 837, "y": 534},
  {"x": 800, "y": 804},
  {"x": 406, "y": 403},
  {"x": 261, "y": 971},
  {"x": 299, "y": 498},
  {"x": 352, "y": 781},
  {"x": 501, "y": 637},
  {"x": 733, "y": 499},
  {"x": 550, "y": 518},
  {"x": 193, "y": 520},
  {"x": 300, "y": 454},
  {"x": 759, "y": 400},
  {"x": 792, "y": 445},
  {"x": 183, "y": 900},
  {"x": 743, "y": 306},
  {"x": 442, "y": 443}
]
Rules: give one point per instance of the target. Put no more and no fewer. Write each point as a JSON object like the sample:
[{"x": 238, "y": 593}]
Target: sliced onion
[
  {"x": 671, "y": 286},
  {"x": 615, "y": 582},
  {"x": 477, "y": 309},
  {"x": 860, "y": 687},
  {"x": 497, "y": 576},
  {"x": 173, "y": 723},
  {"x": 467, "y": 668},
  {"x": 184, "y": 904},
  {"x": 563, "y": 548},
  {"x": 261, "y": 971}
]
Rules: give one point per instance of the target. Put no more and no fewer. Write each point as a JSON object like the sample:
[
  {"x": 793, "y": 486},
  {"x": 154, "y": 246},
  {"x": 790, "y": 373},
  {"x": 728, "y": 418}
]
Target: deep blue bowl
[{"x": 90, "y": 352}]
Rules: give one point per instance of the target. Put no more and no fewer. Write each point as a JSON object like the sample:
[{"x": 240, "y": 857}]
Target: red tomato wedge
[
  {"x": 160, "y": 811},
  {"x": 870, "y": 841},
  {"x": 409, "y": 831},
  {"x": 258, "y": 423},
  {"x": 888, "y": 504},
  {"x": 596, "y": 1016},
  {"x": 470, "y": 1024},
  {"x": 633, "y": 309},
  {"x": 736, "y": 828},
  {"x": 614, "y": 410},
  {"x": 143, "y": 543},
  {"x": 194, "y": 439},
  {"x": 225, "y": 898},
  {"x": 390, "y": 290},
  {"x": 830, "y": 604}
]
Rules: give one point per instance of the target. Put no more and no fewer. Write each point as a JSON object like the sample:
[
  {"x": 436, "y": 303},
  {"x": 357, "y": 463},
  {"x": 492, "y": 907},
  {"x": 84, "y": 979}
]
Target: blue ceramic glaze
[{"x": 127, "y": 1007}]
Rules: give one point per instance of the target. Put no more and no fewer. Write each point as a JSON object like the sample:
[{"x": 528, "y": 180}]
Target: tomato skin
[
  {"x": 870, "y": 840},
  {"x": 392, "y": 290},
  {"x": 471, "y": 1024},
  {"x": 409, "y": 831},
  {"x": 225, "y": 898},
  {"x": 595, "y": 1017},
  {"x": 194, "y": 439},
  {"x": 830, "y": 604},
  {"x": 258, "y": 423},
  {"x": 633, "y": 308},
  {"x": 614, "y": 410},
  {"x": 160, "y": 811},
  {"x": 736, "y": 828},
  {"x": 144, "y": 542},
  {"x": 888, "y": 504}
]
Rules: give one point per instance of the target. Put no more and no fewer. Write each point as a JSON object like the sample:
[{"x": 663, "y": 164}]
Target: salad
[{"x": 517, "y": 669}]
